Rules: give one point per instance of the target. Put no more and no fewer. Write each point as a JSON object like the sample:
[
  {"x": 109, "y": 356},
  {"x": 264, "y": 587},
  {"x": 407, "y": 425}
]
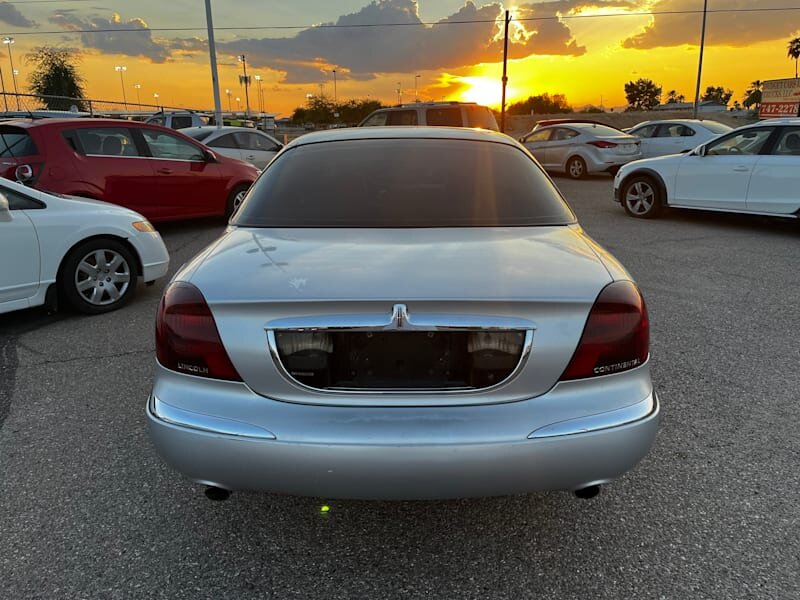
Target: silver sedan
[
  {"x": 423, "y": 318},
  {"x": 244, "y": 143},
  {"x": 578, "y": 149}
]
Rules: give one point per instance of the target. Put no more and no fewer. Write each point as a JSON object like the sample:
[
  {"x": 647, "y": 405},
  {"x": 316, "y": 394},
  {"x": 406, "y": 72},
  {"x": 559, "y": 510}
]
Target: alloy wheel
[{"x": 102, "y": 277}]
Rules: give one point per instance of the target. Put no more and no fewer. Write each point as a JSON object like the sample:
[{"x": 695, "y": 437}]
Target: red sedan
[{"x": 155, "y": 171}]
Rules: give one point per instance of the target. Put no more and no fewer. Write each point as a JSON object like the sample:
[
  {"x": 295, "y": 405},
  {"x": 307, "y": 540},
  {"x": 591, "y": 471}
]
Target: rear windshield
[
  {"x": 15, "y": 141},
  {"x": 403, "y": 183},
  {"x": 715, "y": 127},
  {"x": 593, "y": 129},
  {"x": 480, "y": 116},
  {"x": 198, "y": 134}
]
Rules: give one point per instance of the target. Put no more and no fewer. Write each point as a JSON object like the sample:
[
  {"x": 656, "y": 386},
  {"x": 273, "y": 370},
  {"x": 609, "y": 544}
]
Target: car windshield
[
  {"x": 403, "y": 183},
  {"x": 715, "y": 127}
]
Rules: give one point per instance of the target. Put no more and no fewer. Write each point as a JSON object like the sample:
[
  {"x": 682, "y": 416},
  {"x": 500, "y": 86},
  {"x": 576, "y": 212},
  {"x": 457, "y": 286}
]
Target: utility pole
[
  {"x": 258, "y": 78},
  {"x": 700, "y": 63},
  {"x": 212, "y": 53},
  {"x": 505, "y": 76},
  {"x": 399, "y": 93}
]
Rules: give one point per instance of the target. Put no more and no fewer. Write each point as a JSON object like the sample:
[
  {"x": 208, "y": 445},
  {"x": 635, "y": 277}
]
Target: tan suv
[{"x": 434, "y": 114}]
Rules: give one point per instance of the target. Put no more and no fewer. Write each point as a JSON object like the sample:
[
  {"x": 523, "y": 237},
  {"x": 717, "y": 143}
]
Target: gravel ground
[{"x": 87, "y": 510}]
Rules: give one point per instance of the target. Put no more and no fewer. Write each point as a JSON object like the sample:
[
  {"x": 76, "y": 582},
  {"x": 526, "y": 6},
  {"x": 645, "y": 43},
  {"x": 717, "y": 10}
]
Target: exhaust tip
[
  {"x": 217, "y": 494},
  {"x": 588, "y": 492}
]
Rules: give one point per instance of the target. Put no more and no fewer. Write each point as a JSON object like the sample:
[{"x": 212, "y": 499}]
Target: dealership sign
[{"x": 780, "y": 98}]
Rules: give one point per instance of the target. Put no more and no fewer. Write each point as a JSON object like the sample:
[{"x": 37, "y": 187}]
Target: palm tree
[
  {"x": 752, "y": 97},
  {"x": 794, "y": 52}
]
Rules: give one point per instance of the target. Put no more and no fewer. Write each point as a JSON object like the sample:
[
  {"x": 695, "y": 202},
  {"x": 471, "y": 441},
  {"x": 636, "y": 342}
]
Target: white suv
[{"x": 434, "y": 114}]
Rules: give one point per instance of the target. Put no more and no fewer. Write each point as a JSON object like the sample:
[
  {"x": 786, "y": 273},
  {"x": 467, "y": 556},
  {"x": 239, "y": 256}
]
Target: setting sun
[{"x": 483, "y": 90}]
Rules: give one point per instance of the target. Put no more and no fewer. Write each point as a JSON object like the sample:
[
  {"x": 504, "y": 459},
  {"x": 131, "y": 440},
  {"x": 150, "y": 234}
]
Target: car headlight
[{"x": 143, "y": 226}]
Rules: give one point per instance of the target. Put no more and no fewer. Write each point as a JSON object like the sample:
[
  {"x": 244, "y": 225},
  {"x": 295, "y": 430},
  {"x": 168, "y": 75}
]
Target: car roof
[
  {"x": 403, "y": 132},
  {"x": 82, "y": 122},
  {"x": 429, "y": 104}
]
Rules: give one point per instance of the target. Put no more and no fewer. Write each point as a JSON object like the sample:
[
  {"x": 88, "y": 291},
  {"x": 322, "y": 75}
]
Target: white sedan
[
  {"x": 753, "y": 170},
  {"x": 85, "y": 253},
  {"x": 244, "y": 143},
  {"x": 676, "y": 135}
]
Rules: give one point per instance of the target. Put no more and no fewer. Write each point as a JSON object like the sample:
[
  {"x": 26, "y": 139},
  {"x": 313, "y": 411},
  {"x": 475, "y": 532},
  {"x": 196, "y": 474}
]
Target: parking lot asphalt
[{"x": 87, "y": 509}]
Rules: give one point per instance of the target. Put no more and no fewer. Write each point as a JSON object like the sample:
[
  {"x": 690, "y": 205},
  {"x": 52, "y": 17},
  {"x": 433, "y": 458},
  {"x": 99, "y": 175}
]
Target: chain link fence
[{"x": 13, "y": 104}]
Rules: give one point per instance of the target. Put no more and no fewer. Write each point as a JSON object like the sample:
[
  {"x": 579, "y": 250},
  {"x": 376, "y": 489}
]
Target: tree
[
  {"x": 543, "y": 104},
  {"x": 320, "y": 110},
  {"x": 642, "y": 94},
  {"x": 752, "y": 97},
  {"x": 717, "y": 94},
  {"x": 794, "y": 52},
  {"x": 673, "y": 97},
  {"x": 56, "y": 74}
]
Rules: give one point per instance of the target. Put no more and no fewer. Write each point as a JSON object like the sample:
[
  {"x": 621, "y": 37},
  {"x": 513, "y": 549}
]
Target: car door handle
[
  {"x": 250, "y": 156},
  {"x": 741, "y": 169},
  {"x": 165, "y": 171}
]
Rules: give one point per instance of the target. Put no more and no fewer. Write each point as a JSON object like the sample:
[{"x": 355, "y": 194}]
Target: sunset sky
[{"x": 585, "y": 50}]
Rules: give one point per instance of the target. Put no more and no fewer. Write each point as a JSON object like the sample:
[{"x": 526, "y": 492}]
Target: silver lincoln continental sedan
[{"x": 403, "y": 313}]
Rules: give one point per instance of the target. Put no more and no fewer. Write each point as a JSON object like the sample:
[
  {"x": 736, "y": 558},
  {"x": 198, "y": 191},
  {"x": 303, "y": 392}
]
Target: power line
[{"x": 415, "y": 24}]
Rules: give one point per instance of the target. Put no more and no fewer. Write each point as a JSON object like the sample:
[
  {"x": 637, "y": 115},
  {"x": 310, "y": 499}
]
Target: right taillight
[
  {"x": 187, "y": 339},
  {"x": 616, "y": 336}
]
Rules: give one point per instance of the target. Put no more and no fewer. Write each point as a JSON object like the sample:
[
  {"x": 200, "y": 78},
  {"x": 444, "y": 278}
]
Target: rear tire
[
  {"x": 98, "y": 276},
  {"x": 576, "y": 167},
  {"x": 642, "y": 198},
  {"x": 235, "y": 200}
]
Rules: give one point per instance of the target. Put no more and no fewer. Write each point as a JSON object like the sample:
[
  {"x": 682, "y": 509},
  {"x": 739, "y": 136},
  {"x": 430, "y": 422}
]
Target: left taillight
[
  {"x": 602, "y": 144},
  {"x": 187, "y": 339}
]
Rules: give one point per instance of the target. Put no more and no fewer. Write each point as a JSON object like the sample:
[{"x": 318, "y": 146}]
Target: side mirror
[
  {"x": 701, "y": 150},
  {"x": 211, "y": 157}
]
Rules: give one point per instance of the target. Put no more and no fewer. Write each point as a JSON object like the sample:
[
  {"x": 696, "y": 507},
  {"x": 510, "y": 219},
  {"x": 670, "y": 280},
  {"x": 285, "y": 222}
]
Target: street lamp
[
  {"x": 399, "y": 93},
  {"x": 238, "y": 103},
  {"x": 246, "y": 80},
  {"x": 416, "y": 93},
  {"x": 155, "y": 97},
  {"x": 137, "y": 87},
  {"x": 228, "y": 92},
  {"x": 121, "y": 70},
  {"x": 258, "y": 78},
  {"x": 335, "y": 97},
  {"x": 8, "y": 41}
]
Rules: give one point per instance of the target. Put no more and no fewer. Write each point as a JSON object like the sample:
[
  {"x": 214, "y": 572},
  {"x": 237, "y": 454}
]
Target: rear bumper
[{"x": 405, "y": 453}]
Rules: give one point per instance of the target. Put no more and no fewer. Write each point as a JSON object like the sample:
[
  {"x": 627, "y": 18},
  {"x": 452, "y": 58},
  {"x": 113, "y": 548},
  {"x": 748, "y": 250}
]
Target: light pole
[
  {"x": 228, "y": 93},
  {"x": 212, "y": 54},
  {"x": 399, "y": 93},
  {"x": 238, "y": 103},
  {"x": 335, "y": 96},
  {"x": 246, "y": 80},
  {"x": 3, "y": 83},
  {"x": 260, "y": 94},
  {"x": 8, "y": 41},
  {"x": 121, "y": 70},
  {"x": 155, "y": 98},
  {"x": 416, "y": 93}
]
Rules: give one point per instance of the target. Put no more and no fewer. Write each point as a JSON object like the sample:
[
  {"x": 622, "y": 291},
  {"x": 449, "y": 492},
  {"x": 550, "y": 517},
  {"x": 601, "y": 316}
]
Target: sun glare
[{"x": 483, "y": 90}]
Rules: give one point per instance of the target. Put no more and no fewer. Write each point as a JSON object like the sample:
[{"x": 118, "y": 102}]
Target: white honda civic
[{"x": 85, "y": 253}]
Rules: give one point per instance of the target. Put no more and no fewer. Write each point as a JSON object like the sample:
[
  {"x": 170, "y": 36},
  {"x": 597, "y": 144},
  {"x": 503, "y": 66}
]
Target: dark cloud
[
  {"x": 729, "y": 29},
  {"x": 11, "y": 15},
  {"x": 109, "y": 39},
  {"x": 361, "y": 52}
]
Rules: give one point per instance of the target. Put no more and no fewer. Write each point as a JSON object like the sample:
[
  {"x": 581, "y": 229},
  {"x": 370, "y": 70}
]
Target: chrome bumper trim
[
  {"x": 201, "y": 422},
  {"x": 607, "y": 420}
]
